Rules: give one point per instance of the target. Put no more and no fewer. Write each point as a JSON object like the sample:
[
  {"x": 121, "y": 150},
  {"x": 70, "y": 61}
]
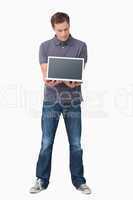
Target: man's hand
[
  {"x": 71, "y": 84},
  {"x": 51, "y": 83}
]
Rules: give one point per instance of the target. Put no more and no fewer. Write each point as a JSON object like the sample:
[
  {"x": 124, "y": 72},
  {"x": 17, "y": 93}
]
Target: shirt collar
[{"x": 63, "y": 43}]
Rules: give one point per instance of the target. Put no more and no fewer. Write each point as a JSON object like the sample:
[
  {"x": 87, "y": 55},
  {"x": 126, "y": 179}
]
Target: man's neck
[{"x": 63, "y": 40}]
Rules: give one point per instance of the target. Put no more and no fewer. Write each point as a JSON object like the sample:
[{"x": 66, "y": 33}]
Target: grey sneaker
[
  {"x": 38, "y": 187},
  {"x": 84, "y": 189}
]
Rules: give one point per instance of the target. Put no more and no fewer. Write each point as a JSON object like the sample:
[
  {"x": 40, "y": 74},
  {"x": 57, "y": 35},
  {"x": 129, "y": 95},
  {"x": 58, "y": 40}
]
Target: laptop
[{"x": 65, "y": 68}]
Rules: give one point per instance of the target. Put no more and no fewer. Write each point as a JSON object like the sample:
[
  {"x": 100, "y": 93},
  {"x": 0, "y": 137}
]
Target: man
[{"x": 61, "y": 98}]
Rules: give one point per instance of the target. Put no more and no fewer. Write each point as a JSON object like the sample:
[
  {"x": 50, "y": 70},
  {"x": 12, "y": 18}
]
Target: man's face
[{"x": 62, "y": 30}]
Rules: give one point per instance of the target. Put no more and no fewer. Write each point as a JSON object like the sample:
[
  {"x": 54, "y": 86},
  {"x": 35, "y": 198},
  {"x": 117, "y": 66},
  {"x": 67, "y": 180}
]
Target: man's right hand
[{"x": 51, "y": 83}]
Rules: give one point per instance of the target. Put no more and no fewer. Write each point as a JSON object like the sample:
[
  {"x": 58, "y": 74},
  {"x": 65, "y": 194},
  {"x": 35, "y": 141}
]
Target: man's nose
[{"x": 64, "y": 33}]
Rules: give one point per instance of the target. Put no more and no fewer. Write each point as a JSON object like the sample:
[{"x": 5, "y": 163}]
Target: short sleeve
[
  {"x": 43, "y": 58},
  {"x": 83, "y": 53}
]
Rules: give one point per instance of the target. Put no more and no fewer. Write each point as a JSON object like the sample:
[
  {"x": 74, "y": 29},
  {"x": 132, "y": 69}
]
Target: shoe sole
[
  {"x": 87, "y": 193},
  {"x": 31, "y": 192}
]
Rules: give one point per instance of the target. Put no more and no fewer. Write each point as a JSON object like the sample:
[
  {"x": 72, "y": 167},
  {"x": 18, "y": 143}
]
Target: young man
[{"x": 61, "y": 98}]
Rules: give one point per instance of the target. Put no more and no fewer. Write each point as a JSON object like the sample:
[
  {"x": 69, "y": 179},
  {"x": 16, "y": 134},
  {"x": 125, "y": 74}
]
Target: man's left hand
[{"x": 71, "y": 84}]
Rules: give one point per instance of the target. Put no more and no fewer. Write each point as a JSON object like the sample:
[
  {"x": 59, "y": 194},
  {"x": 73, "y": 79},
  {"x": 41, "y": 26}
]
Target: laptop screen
[{"x": 65, "y": 68}]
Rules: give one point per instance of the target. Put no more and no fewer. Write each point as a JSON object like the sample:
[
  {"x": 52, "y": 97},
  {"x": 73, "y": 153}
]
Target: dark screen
[{"x": 65, "y": 68}]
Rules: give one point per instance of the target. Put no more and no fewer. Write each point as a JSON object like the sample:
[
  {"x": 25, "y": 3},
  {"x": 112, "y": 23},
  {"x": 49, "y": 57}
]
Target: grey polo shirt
[{"x": 69, "y": 48}]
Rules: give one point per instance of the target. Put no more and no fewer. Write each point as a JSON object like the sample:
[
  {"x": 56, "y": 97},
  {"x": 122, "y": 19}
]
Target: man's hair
[{"x": 59, "y": 17}]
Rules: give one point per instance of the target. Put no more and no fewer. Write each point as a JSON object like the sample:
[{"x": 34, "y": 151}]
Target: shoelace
[{"x": 39, "y": 184}]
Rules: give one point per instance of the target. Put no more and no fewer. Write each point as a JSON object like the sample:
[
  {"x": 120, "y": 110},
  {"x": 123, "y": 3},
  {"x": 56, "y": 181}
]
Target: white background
[{"x": 107, "y": 112}]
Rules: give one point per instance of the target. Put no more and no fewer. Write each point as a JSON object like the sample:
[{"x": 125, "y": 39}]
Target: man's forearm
[{"x": 44, "y": 70}]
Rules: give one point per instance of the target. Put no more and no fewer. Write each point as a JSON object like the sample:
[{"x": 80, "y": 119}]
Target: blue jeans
[{"x": 49, "y": 122}]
